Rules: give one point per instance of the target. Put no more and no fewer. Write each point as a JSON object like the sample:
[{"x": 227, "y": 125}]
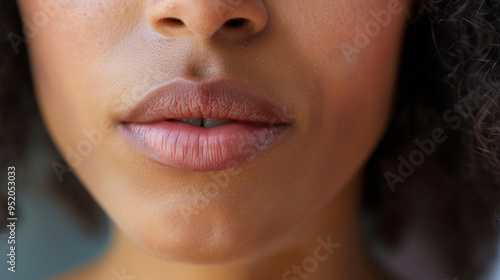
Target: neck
[{"x": 328, "y": 247}]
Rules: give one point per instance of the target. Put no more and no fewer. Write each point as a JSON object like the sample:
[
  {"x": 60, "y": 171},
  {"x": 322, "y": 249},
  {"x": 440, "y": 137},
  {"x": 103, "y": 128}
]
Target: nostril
[
  {"x": 173, "y": 22},
  {"x": 236, "y": 22}
]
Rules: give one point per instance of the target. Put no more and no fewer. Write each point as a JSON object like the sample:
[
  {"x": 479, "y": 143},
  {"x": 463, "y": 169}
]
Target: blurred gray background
[{"x": 48, "y": 241}]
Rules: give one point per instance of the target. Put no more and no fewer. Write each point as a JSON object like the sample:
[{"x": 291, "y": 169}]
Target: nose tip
[{"x": 206, "y": 18}]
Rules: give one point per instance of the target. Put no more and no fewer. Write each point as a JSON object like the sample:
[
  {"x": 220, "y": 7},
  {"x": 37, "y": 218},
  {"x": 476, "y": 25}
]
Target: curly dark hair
[{"x": 437, "y": 168}]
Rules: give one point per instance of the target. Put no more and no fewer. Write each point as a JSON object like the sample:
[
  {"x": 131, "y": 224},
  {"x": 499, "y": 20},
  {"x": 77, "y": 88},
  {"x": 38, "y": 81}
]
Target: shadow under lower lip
[{"x": 188, "y": 147}]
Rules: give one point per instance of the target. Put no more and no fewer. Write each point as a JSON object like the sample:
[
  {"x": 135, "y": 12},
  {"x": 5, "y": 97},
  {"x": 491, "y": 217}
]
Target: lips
[{"x": 204, "y": 125}]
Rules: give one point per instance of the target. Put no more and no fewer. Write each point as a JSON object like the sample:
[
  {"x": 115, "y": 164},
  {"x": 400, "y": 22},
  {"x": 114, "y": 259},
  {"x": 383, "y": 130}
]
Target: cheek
[
  {"x": 338, "y": 34},
  {"x": 84, "y": 31},
  {"x": 355, "y": 91},
  {"x": 356, "y": 46},
  {"x": 68, "y": 40},
  {"x": 364, "y": 75},
  {"x": 351, "y": 48}
]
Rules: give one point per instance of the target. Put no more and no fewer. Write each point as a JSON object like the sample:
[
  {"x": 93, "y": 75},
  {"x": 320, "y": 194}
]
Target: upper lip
[{"x": 221, "y": 98}]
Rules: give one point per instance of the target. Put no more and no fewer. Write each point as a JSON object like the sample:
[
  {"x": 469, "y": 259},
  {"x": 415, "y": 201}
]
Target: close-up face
[{"x": 210, "y": 131}]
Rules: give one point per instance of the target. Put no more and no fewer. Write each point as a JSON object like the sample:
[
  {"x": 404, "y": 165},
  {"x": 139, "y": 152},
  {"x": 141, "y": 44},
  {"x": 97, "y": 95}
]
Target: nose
[{"x": 206, "y": 18}]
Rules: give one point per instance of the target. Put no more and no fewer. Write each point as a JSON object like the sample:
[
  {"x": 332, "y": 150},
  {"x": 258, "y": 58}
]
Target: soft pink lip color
[{"x": 259, "y": 124}]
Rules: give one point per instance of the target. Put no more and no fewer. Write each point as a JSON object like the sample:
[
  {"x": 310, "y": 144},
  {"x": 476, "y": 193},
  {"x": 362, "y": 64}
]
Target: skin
[{"x": 93, "y": 58}]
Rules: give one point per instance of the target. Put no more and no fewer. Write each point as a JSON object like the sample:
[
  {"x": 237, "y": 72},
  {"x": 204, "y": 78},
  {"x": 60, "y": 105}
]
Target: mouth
[{"x": 205, "y": 125}]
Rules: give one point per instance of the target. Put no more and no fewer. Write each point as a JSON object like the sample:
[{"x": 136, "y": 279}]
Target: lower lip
[{"x": 187, "y": 147}]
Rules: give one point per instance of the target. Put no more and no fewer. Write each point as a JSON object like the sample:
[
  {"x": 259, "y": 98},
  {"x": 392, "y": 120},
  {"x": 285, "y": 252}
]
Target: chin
[{"x": 211, "y": 237}]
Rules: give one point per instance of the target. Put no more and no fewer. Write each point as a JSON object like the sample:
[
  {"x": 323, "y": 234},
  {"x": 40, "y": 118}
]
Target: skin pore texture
[{"x": 94, "y": 60}]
